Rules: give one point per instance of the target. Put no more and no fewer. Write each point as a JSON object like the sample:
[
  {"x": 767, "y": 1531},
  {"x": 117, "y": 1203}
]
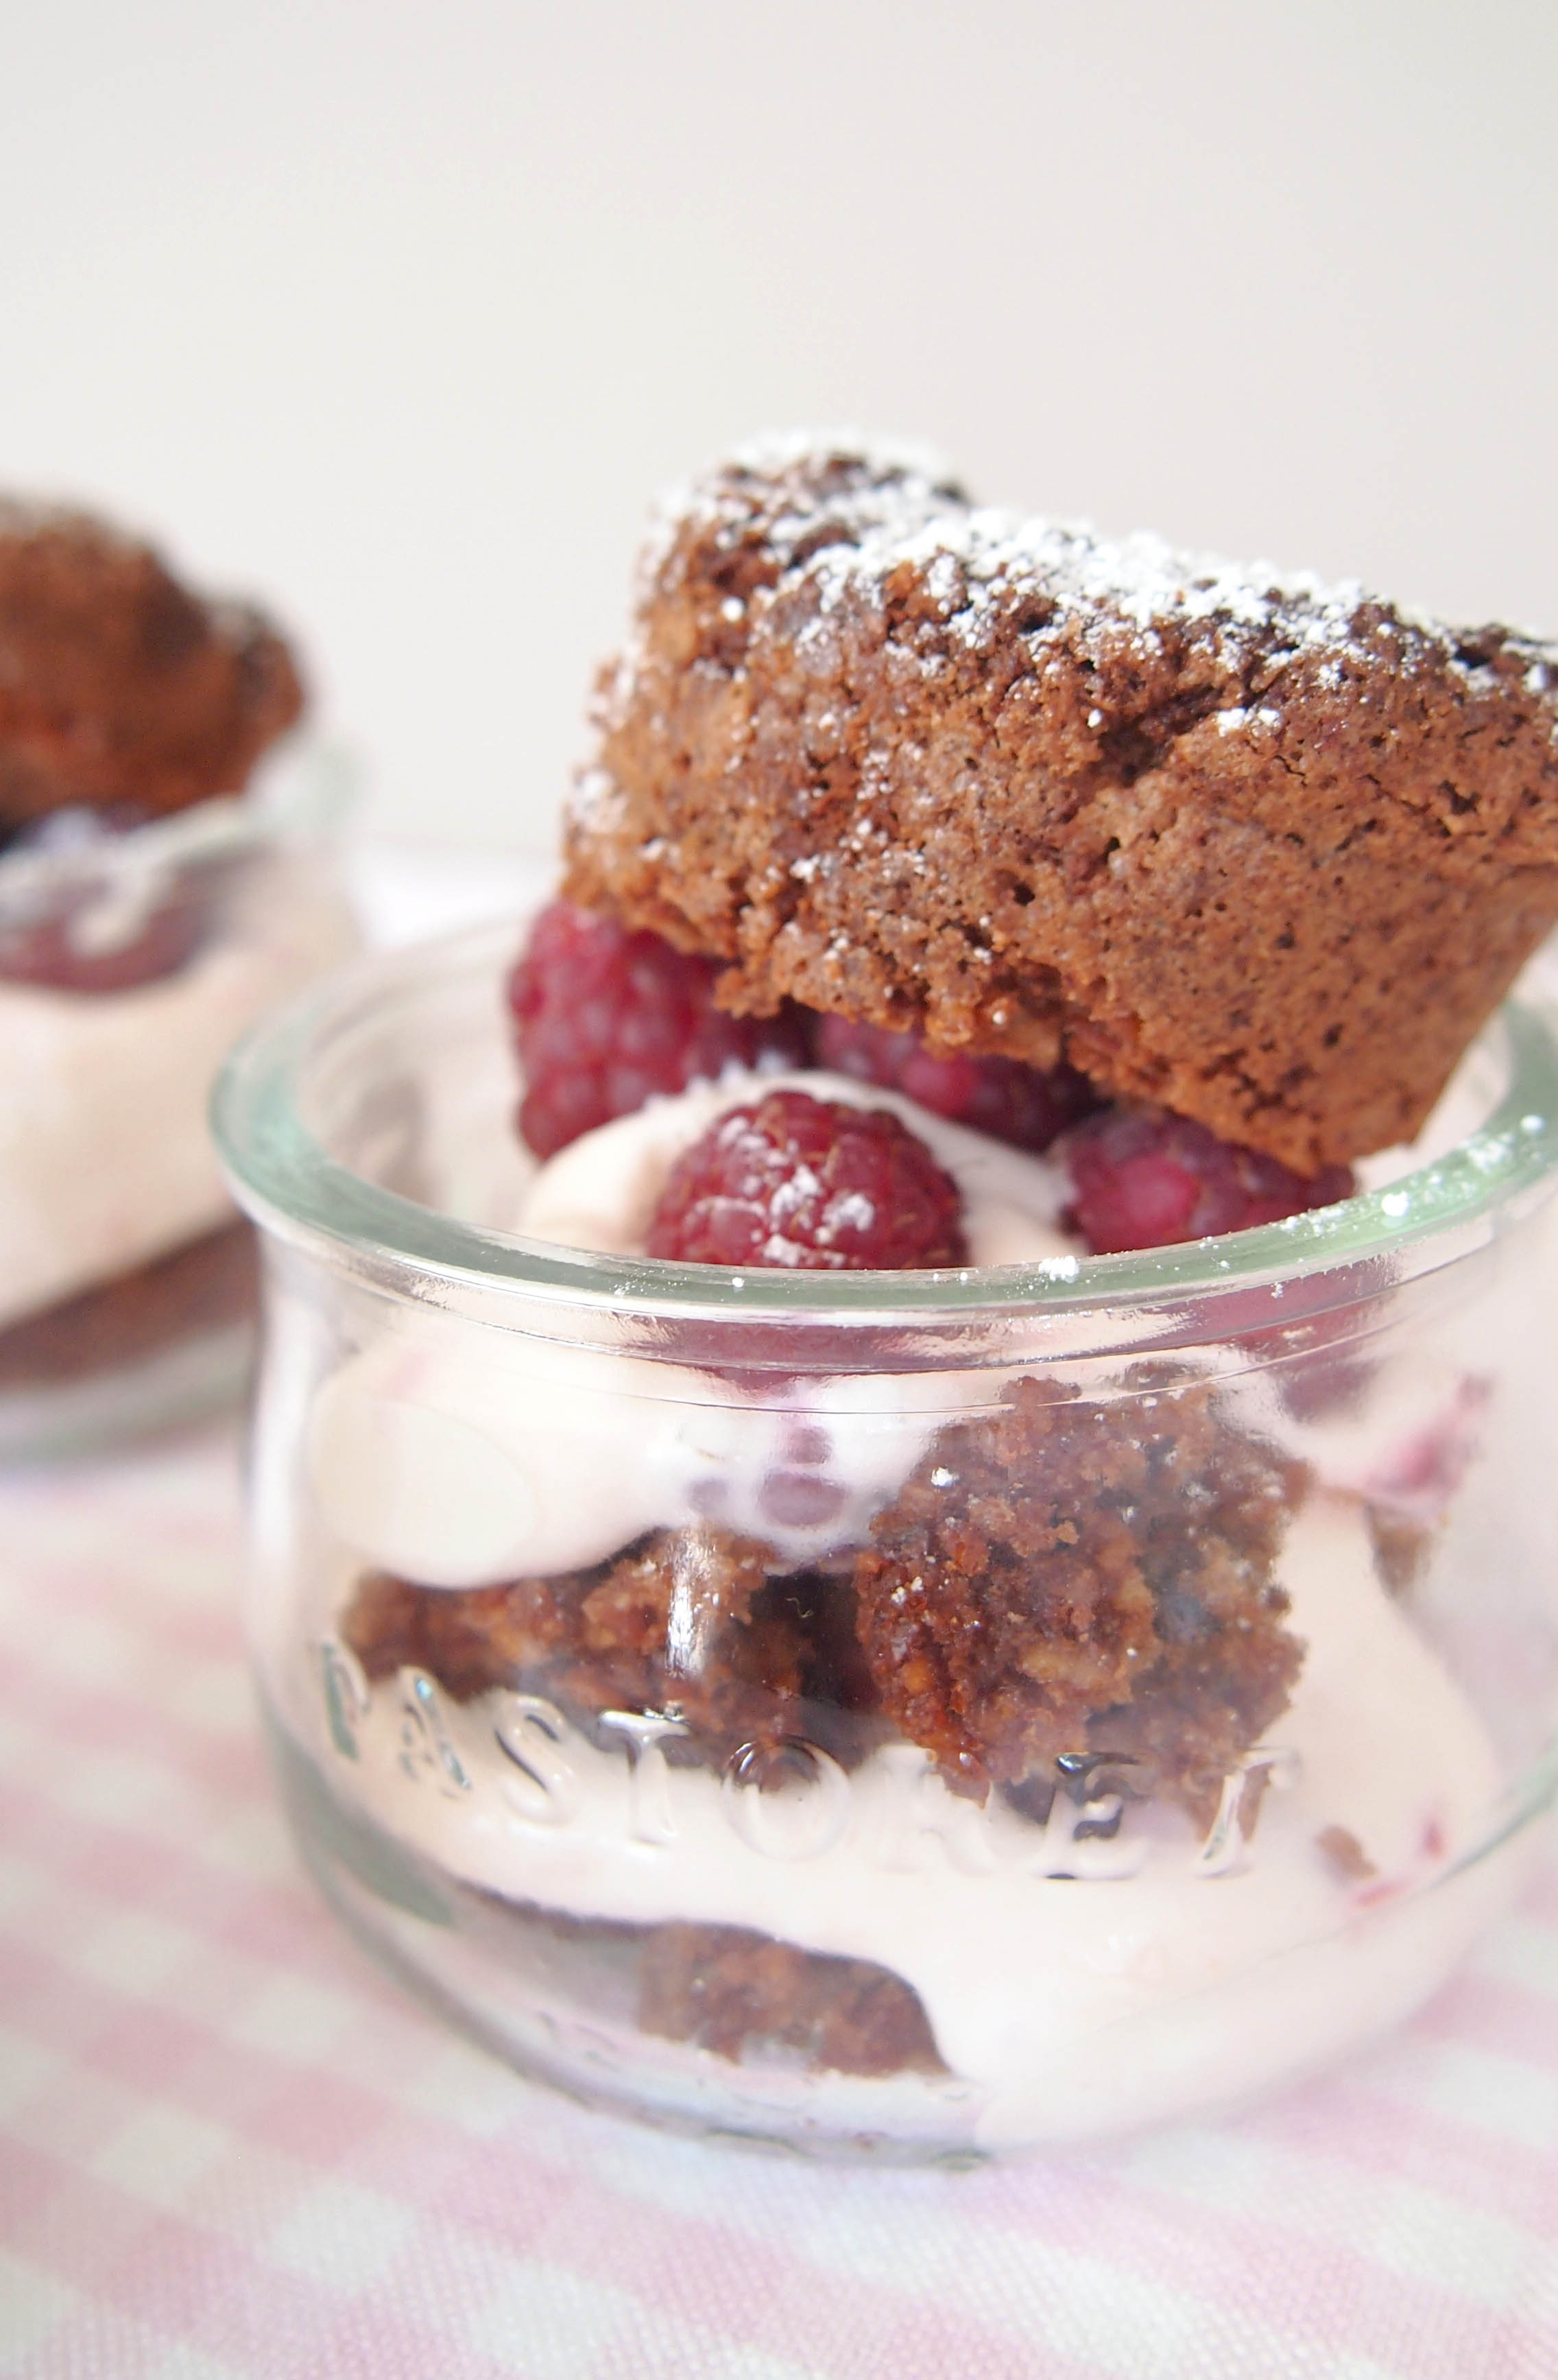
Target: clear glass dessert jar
[
  {"x": 130, "y": 959},
  {"x": 930, "y": 1714}
]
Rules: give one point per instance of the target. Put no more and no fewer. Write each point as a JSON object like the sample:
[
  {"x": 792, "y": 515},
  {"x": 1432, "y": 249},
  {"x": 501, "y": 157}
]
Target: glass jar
[
  {"x": 926, "y": 1714},
  {"x": 128, "y": 962}
]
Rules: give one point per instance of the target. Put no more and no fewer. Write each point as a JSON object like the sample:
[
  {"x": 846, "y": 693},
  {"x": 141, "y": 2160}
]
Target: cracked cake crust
[{"x": 1260, "y": 849}]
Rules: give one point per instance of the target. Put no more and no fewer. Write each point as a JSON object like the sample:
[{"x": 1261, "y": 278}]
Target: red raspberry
[
  {"x": 605, "y": 1018},
  {"x": 809, "y": 1183},
  {"x": 59, "y": 949},
  {"x": 1143, "y": 1178},
  {"x": 999, "y": 1095}
]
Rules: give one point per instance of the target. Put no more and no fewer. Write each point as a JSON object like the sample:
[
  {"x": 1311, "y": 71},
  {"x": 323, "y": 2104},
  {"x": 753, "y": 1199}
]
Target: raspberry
[
  {"x": 79, "y": 943},
  {"x": 999, "y": 1095},
  {"x": 1143, "y": 1178},
  {"x": 604, "y": 1018},
  {"x": 801, "y": 1182}
]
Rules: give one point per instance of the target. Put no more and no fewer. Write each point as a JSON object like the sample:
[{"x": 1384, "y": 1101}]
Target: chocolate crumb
[
  {"x": 1341, "y": 1848},
  {"x": 1063, "y": 1575}
]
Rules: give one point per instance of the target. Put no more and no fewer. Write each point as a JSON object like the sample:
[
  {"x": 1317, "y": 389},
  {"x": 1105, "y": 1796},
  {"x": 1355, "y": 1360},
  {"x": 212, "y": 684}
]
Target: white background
[{"x": 395, "y": 314}]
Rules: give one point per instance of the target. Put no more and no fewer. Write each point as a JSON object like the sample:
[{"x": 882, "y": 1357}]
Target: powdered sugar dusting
[{"x": 844, "y": 514}]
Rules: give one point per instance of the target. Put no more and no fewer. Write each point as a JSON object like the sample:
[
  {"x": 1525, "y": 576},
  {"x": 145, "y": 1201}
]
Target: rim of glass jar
[
  {"x": 301, "y": 788},
  {"x": 285, "y": 1178}
]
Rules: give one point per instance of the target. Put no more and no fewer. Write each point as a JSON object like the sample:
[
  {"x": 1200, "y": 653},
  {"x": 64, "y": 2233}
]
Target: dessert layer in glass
[{"x": 938, "y": 1712}]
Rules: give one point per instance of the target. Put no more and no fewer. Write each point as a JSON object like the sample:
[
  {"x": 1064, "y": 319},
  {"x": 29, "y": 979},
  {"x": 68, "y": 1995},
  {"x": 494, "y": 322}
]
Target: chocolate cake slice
[
  {"x": 1260, "y": 849},
  {"x": 118, "y": 687}
]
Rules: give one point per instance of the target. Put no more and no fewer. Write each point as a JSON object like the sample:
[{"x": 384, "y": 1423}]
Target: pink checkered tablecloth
[{"x": 228, "y": 2148}]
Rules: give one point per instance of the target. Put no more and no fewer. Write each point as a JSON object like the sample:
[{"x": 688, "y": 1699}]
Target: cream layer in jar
[
  {"x": 454, "y": 1464},
  {"x": 105, "y": 1157},
  {"x": 459, "y": 1464}
]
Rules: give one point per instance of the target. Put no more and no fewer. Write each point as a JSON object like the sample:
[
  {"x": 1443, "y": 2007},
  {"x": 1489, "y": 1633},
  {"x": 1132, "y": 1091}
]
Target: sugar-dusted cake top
[
  {"x": 851, "y": 515},
  {"x": 1263, "y": 849}
]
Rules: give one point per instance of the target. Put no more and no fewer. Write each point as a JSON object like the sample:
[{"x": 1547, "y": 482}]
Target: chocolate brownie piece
[
  {"x": 470, "y": 1639},
  {"x": 738, "y": 1993},
  {"x": 1059, "y": 1577},
  {"x": 683, "y": 1623},
  {"x": 727, "y": 1989},
  {"x": 1069, "y": 1575},
  {"x": 118, "y": 687},
  {"x": 689, "y": 1621},
  {"x": 1263, "y": 851}
]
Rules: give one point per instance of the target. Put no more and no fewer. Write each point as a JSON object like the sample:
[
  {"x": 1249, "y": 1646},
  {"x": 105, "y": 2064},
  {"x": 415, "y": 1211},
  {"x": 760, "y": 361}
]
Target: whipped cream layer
[
  {"x": 105, "y": 1161},
  {"x": 1078, "y": 1984},
  {"x": 460, "y": 1458}
]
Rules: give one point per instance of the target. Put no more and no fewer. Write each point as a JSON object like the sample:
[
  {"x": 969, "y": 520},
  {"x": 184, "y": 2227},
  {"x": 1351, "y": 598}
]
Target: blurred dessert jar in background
[{"x": 165, "y": 873}]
